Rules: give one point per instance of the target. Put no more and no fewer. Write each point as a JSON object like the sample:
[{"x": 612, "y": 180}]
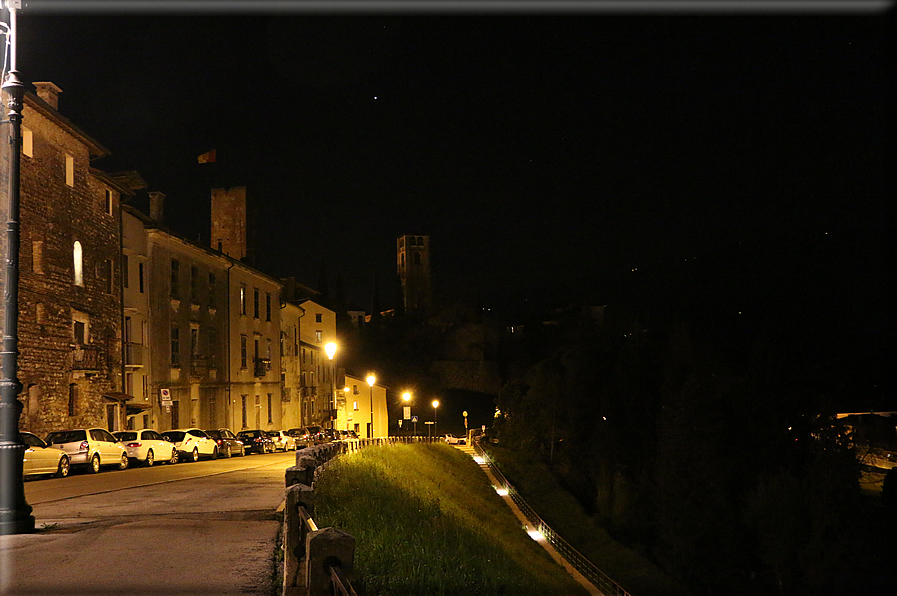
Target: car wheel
[
  {"x": 150, "y": 458},
  {"x": 94, "y": 466},
  {"x": 63, "y": 470},
  {"x": 227, "y": 452},
  {"x": 174, "y": 456},
  {"x": 215, "y": 453},
  {"x": 123, "y": 464},
  {"x": 194, "y": 457}
]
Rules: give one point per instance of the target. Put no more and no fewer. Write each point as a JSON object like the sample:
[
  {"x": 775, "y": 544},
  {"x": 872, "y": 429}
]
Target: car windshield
[
  {"x": 175, "y": 436},
  {"x": 214, "y": 434},
  {"x": 313, "y": 429},
  {"x": 125, "y": 436},
  {"x": 66, "y": 436},
  {"x": 250, "y": 433}
]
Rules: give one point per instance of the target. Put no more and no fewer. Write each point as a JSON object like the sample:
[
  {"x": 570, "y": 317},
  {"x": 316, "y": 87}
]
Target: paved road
[{"x": 189, "y": 529}]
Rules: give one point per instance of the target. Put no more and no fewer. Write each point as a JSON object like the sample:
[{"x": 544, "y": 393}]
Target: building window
[
  {"x": 175, "y": 347},
  {"x": 211, "y": 289},
  {"x": 213, "y": 346},
  {"x": 319, "y": 335},
  {"x": 268, "y": 307},
  {"x": 73, "y": 398},
  {"x": 242, "y": 299},
  {"x": 107, "y": 205},
  {"x": 194, "y": 284},
  {"x": 243, "y": 399},
  {"x": 355, "y": 405},
  {"x": 69, "y": 170},
  {"x": 124, "y": 271},
  {"x": 140, "y": 276},
  {"x": 319, "y": 318},
  {"x": 242, "y": 351},
  {"x": 175, "y": 277},
  {"x": 37, "y": 256},
  {"x": 78, "y": 257},
  {"x": 255, "y": 302},
  {"x": 27, "y": 141},
  {"x": 270, "y": 411},
  {"x": 194, "y": 342}
]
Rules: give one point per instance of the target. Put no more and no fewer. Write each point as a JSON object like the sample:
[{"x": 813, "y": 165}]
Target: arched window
[
  {"x": 417, "y": 258},
  {"x": 79, "y": 264}
]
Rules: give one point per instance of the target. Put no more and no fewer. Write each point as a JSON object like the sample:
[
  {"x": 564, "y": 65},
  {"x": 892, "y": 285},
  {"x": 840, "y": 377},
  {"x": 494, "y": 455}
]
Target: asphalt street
[{"x": 188, "y": 529}]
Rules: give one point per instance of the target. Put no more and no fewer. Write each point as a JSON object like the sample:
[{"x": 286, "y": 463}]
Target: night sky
[{"x": 534, "y": 149}]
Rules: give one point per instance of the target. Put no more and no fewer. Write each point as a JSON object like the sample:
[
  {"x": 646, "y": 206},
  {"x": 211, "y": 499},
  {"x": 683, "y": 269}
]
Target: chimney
[
  {"x": 48, "y": 92},
  {"x": 157, "y": 202}
]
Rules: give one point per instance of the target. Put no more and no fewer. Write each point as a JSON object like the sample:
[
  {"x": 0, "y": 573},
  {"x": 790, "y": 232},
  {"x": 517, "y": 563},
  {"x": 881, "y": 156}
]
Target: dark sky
[{"x": 533, "y": 149}]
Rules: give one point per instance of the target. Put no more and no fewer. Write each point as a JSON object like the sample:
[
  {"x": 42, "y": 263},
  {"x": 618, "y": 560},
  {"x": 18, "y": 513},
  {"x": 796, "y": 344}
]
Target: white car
[
  {"x": 453, "y": 440},
  {"x": 147, "y": 446},
  {"x": 40, "y": 458},
  {"x": 91, "y": 447},
  {"x": 192, "y": 443},
  {"x": 282, "y": 440}
]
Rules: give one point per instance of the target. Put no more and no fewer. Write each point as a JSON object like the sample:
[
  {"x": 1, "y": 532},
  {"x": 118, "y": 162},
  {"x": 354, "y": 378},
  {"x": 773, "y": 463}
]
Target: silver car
[
  {"x": 282, "y": 440},
  {"x": 90, "y": 447}
]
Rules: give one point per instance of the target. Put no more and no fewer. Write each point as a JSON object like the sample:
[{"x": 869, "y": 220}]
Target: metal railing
[{"x": 576, "y": 559}]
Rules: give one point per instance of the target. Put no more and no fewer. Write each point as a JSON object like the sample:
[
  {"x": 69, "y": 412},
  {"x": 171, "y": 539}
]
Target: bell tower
[{"x": 413, "y": 263}]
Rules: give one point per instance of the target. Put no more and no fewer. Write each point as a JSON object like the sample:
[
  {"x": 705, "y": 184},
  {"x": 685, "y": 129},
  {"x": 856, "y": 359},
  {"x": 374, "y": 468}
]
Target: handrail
[
  {"x": 577, "y": 560},
  {"x": 340, "y": 583}
]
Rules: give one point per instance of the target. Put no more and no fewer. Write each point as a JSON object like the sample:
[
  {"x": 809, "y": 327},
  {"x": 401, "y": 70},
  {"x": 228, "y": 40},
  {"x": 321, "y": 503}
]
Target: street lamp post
[
  {"x": 371, "y": 380},
  {"x": 407, "y": 397},
  {"x": 15, "y": 513},
  {"x": 435, "y": 419}
]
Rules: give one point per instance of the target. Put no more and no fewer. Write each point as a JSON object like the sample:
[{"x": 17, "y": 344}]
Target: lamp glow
[{"x": 330, "y": 348}]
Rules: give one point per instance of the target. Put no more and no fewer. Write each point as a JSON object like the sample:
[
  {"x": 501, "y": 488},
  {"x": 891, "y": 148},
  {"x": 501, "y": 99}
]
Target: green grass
[
  {"x": 635, "y": 573},
  {"x": 426, "y": 521}
]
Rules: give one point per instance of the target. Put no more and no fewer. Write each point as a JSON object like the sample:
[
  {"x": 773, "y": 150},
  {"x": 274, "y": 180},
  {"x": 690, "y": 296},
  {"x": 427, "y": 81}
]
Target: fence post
[
  {"x": 294, "y": 535},
  {"x": 326, "y": 548}
]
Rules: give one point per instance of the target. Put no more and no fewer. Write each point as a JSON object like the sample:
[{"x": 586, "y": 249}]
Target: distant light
[
  {"x": 604, "y": 417},
  {"x": 501, "y": 491},
  {"x": 479, "y": 459},
  {"x": 375, "y": 97}
]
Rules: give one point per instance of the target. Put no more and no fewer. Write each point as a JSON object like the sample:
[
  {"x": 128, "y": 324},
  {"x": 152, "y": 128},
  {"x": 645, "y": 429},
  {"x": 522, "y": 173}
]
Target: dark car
[
  {"x": 315, "y": 435},
  {"x": 228, "y": 444},
  {"x": 256, "y": 441}
]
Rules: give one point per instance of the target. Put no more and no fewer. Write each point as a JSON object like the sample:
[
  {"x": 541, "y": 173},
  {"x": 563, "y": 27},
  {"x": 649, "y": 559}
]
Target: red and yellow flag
[{"x": 207, "y": 157}]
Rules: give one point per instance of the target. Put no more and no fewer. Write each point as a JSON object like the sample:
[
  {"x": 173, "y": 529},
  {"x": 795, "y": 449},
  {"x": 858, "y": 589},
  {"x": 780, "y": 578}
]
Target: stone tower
[
  {"x": 413, "y": 263},
  {"x": 229, "y": 221}
]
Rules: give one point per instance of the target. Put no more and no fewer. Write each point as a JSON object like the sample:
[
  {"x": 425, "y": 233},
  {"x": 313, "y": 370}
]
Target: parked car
[
  {"x": 192, "y": 443},
  {"x": 315, "y": 435},
  {"x": 40, "y": 458},
  {"x": 228, "y": 443},
  {"x": 90, "y": 447},
  {"x": 256, "y": 441},
  {"x": 282, "y": 440},
  {"x": 146, "y": 446},
  {"x": 330, "y": 434},
  {"x": 453, "y": 440}
]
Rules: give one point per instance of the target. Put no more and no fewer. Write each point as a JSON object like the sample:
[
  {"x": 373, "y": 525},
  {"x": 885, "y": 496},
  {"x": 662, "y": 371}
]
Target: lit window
[
  {"x": 69, "y": 170},
  {"x": 242, "y": 299},
  {"x": 79, "y": 264},
  {"x": 108, "y": 202},
  {"x": 37, "y": 256},
  {"x": 319, "y": 336},
  {"x": 27, "y": 141}
]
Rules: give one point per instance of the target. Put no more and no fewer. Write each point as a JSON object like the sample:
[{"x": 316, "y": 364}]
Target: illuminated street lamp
[
  {"x": 15, "y": 513},
  {"x": 330, "y": 349},
  {"x": 371, "y": 380},
  {"x": 407, "y": 397},
  {"x": 435, "y": 420}
]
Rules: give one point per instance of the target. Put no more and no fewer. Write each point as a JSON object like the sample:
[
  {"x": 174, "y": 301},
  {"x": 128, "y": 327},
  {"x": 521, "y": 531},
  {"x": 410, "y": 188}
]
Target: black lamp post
[{"x": 15, "y": 513}]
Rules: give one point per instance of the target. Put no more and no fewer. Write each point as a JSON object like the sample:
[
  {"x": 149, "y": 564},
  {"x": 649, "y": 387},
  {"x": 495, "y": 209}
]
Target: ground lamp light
[
  {"x": 371, "y": 380},
  {"x": 15, "y": 513},
  {"x": 407, "y": 397}
]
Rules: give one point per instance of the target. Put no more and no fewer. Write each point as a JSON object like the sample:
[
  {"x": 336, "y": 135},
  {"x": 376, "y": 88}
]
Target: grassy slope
[
  {"x": 565, "y": 516},
  {"x": 426, "y": 521}
]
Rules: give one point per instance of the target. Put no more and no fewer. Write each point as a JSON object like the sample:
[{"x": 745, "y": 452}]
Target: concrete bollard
[
  {"x": 326, "y": 548},
  {"x": 294, "y": 535},
  {"x": 296, "y": 475}
]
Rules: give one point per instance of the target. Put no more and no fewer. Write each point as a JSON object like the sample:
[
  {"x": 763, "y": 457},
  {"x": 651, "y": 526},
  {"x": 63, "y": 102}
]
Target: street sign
[
  {"x": 166, "y": 397},
  {"x": 407, "y": 415},
  {"x": 414, "y": 419}
]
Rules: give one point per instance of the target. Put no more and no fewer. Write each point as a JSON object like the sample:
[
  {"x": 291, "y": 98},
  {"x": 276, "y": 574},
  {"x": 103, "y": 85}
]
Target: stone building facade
[
  {"x": 70, "y": 315},
  {"x": 413, "y": 266}
]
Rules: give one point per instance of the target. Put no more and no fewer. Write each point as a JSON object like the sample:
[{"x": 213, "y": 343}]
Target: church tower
[{"x": 413, "y": 262}]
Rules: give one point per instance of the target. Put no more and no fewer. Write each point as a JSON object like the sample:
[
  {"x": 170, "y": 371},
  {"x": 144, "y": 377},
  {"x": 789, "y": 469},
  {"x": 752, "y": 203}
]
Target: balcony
[
  {"x": 262, "y": 366},
  {"x": 134, "y": 354},
  {"x": 86, "y": 358},
  {"x": 286, "y": 394}
]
